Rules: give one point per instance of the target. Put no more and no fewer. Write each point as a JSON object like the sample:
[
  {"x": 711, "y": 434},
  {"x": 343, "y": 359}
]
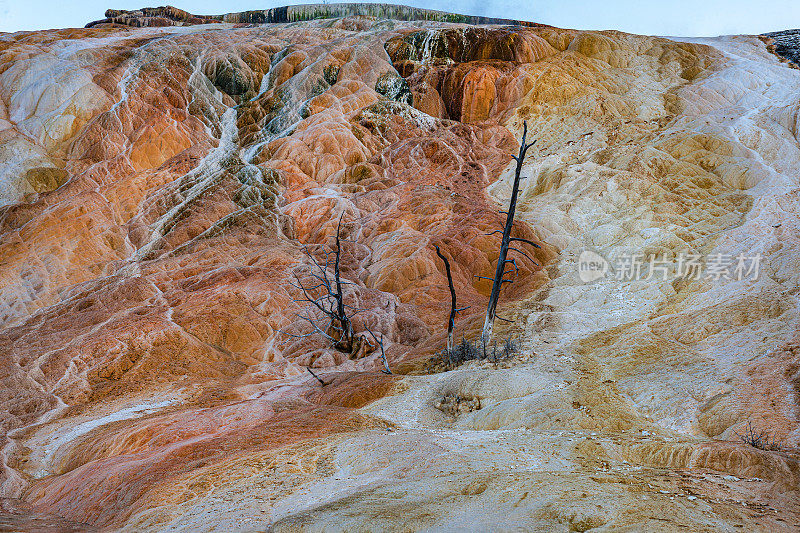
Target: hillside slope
[{"x": 161, "y": 174}]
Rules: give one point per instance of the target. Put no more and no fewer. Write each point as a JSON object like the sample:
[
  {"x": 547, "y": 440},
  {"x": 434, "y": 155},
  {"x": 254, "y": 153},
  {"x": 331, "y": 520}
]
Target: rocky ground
[{"x": 160, "y": 180}]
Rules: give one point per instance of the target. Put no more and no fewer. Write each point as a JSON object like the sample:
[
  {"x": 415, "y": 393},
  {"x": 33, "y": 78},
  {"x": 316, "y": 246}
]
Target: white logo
[
  {"x": 631, "y": 267},
  {"x": 591, "y": 266}
]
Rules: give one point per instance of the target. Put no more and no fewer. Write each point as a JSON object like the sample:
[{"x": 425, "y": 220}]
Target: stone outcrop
[
  {"x": 152, "y": 17},
  {"x": 787, "y": 44},
  {"x": 161, "y": 174},
  {"x": 171, "y": 16}
]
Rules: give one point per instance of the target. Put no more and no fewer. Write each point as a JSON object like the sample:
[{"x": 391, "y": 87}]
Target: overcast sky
[{"x": 677, "y": 17}]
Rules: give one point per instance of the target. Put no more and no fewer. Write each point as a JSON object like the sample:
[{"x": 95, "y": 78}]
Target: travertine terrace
[{"x": 160, "y": 173}]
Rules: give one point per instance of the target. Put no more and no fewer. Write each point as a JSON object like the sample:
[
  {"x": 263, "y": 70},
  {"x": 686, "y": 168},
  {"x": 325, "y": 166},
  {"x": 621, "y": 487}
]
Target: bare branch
[
  {"x": 386, "y": 369},
  {"x": 312, "y": 288},
  {"x": 295, "y": 336},
  {"x": 520, "y": 239},
  {"x": 324, "y": 278},
  {"x": 308, "y": 298},
  {"x": 514, "y": 264},
  {"x": 316, "y": 328},
  {"x": 316, "y": 376},
  {"x": 523, "y": 253}
]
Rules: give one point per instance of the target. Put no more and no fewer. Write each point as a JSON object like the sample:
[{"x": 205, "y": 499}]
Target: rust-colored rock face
[{"x": 166, "y": 181}]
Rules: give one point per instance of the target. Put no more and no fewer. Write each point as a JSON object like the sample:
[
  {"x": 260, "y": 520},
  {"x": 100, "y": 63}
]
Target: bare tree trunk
[
  {"x": 453, "y": 309},
  {"x": 502, "y": 260},
  {"x": 346, "y": 340}
]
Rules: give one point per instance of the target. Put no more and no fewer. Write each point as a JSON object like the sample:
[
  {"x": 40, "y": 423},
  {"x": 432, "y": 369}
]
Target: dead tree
[
  {"x": 330, "y": 301},
  {"x": 453, "y": 309},
  {"x": 327, "y": 297},
  {"x": 501, "y": 272}
]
